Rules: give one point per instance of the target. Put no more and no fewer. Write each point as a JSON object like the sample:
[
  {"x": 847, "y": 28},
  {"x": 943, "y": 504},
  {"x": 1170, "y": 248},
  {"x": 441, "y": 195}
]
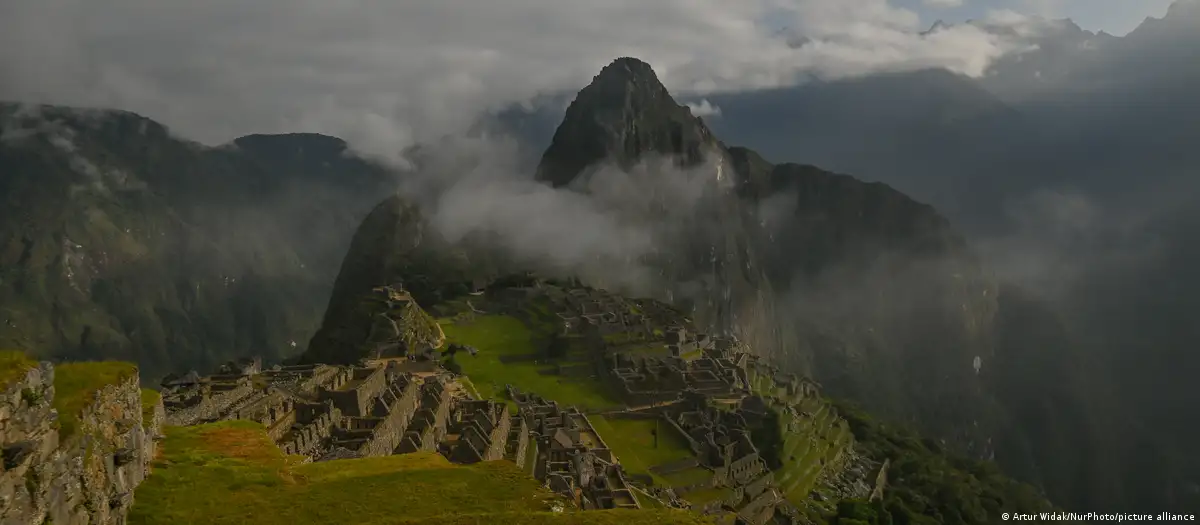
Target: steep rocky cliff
[{"x": 76, "y": 441}]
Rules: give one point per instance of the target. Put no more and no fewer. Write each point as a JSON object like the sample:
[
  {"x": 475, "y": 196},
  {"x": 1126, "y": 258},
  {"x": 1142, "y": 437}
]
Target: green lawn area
[
  {"x": 150, "y": 398},
  {"x": 703, "y": 496},
  {"x": 13, "y": 365},
  {"x": 633, "y": 443},
  {"x": 75, "y": 385},
  {"x": 231, "y": 473},
  {"x": 496, "y": 336},
  {"x": 651, "y": 349},
  {"x": 688, "y": 477}
]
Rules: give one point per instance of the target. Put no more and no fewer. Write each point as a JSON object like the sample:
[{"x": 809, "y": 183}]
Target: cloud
[
  {"x": 704, "y": 108},
  {"x": 943, "y": 4},
  {"x": 1044, "y": 8},
  {"x": 1062, "y": 238},
  {"x": 606, "y": 229},
  {"x": 387, "y": 74}
]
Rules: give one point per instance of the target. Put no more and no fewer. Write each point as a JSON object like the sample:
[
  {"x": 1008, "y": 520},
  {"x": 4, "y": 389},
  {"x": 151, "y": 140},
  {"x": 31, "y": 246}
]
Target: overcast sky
[{"x": 385, "y": 73}]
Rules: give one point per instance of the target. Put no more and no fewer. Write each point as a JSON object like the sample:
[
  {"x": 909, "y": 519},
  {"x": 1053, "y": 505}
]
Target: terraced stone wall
[{"x": 81, "y": 474}]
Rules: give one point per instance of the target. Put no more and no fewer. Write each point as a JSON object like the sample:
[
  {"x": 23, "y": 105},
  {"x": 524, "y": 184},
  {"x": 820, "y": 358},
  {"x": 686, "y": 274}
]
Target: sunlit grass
[
  {"x": 632, "y": 440},
  {"x": 13, "y": 365},
  {"x": 496, "y": 336},
  {"x": 75, "y": 386},
  {"x": 150, "y": 399},
  {"x": 231, "y": 473}
]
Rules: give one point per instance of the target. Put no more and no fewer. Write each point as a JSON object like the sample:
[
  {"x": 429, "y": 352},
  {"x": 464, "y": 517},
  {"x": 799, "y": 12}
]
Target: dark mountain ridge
[{"x": 122, "y": 241}]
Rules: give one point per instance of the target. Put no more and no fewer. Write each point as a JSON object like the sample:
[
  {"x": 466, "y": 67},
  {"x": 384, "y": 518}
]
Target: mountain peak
[
  {"x": 624, "y": 114},
  {"x": 938, "y": 25},
  {"x": 292, "y": 143},
  {"x": 626, "y": 69}
]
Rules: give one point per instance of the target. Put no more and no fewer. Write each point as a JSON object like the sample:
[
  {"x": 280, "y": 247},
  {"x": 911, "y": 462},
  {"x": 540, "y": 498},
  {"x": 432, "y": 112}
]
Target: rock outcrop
[{"x": 79, "y": 473}]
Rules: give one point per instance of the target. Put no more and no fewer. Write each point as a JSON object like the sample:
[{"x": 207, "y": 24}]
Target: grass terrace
[
  {"x": 150, "y": 399},
  {"x": 821, "y": 436},
  {"x": 231, "y": 473},
  {"x": 688, "y": 477},
  {"x": 13, "y": 365},
  {"x": 76, "y": 384},
  {"x": 632, "y": 440},
  {"x": 498, "y": 337}
]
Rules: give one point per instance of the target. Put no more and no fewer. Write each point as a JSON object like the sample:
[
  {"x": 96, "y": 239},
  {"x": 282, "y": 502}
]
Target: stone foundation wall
[
  {"x": 519, "y": 442},
  {"x": 154, "y": 432},
  {"x": 211, "y": 407},
  {"x": 387, "y": 435},
  {"x": 499, "y": 437},
  {"x": 307, "y": 440},
  {"x": 89, "y": 477}
]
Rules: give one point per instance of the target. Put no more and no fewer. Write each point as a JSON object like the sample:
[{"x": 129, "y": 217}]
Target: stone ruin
[
  {"x": 721, "y": 441},
  {"x": 428, "y": 426},
  {"x": 644, "y": 380},
  {"x": 564, "y": 451},
  {"x": 399, "y": 327},
  {"x": 309, "y": 410},
  {"x": 481, "y": 430},
  {"x": 588, "y": 311},
  {"x": 329, "y": 413},
  {"x": 409, "y": 404}
]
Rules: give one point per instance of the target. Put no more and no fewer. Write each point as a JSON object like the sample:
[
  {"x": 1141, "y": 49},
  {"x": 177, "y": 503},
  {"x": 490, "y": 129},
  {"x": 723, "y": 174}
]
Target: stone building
[
  {"x": 318, "y": 411},
  {"x": 482, "y": 427},
  {"x": 648, "y": 379},
  {"x": 379, "y": 430},
  {"x": 428, "y": 426},
  {"x": 569, "y": 456}
]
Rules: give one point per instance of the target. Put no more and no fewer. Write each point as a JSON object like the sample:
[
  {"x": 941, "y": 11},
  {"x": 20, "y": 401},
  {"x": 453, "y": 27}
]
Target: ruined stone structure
[
  {"x": 569, "y": 456},
  {"x": 588, "y": 311},
  {"x": 310, "y": 432},
  {"x": 399, "y": 327},
  {"x": 87, "y": 477},
  {"x": 707, "y": 389},
  {"x": 309, "y": 410},
  {"x": 648, "y": 380},
  {"x": 190, "y": 404},
  {"x": 377, "y": 428},
  {"x": 788, "y": 387},
  {"x": 482, "y": 428},
  {"x": 428, "y": 426}
]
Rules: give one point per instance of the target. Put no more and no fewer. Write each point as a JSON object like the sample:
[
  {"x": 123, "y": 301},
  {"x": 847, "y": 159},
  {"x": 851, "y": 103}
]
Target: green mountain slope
[{"x": 118, "y": 240}]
